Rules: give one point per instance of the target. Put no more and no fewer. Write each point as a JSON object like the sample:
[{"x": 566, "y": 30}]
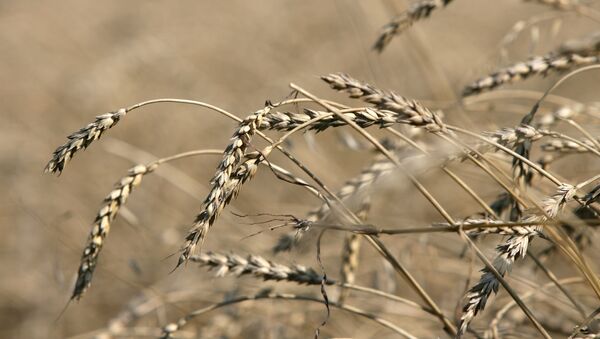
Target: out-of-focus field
[{"x": 62, "y": 63}]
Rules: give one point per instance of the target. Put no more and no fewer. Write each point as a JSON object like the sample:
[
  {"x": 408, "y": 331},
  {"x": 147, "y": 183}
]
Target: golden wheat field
[{"x": 300, "y": 169}]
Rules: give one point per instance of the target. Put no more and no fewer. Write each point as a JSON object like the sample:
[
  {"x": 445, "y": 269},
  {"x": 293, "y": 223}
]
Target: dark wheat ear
[{"x": 82, "y": 139}]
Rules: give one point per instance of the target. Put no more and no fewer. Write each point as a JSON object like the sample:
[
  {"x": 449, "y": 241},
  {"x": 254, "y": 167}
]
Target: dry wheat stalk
[
  {"x": 221, "y": 183},
  {"x": 173, "y": 327},
  {"x": 417, "y": 11},
  {"x": 257, "y": 266},
  {"x": 508, "y": 252},
  {"x": 107, "y": 213},
  {"x": 409, "y": 111},
  {"x": 82, "y": 139}
]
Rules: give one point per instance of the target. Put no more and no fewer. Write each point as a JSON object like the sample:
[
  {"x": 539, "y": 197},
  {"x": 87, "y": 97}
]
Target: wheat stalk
[
  {"x": 173, "y": 327},
  {"x": 417, "y": 11},
  {"x": 82, "y": 140}
]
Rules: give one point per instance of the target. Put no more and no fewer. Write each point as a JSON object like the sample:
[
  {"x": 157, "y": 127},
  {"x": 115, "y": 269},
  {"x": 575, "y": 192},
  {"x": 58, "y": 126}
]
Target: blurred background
[{"x": 63, "y": 63}]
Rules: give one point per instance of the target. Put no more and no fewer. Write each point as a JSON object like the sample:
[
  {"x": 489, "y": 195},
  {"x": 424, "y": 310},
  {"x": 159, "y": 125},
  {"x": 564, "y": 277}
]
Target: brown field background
[{"x": 62, "y": 63}]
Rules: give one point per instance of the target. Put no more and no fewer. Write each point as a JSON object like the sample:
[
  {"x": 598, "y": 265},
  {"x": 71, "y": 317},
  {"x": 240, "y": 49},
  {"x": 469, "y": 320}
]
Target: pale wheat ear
[
  {"x": 572, "y": 54},
  {"x": 109, "y": 211},
  {"x": 82, "y": 139}
]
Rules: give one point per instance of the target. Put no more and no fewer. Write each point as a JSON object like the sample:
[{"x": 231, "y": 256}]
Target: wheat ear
[
  {"x": 508, "y": 252},
  {"x": 408, "y": 111},
  {"x": 417, "y": 11},
  {"x": 541, "y": 65},
  {"x": 107, "y": 213},
  {"x": 257, "y": 266},
  {"x": 82, "y": 139},
  {"x": 219, "y": 195}
]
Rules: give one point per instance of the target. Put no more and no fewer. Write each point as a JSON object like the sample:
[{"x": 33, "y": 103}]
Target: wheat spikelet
[
  {"x": 409, "y": 111},
  {"x": 417, "y": 11},
  {"x": 107, "y": 213},
  {"x": 82, "y": 139},
  {"x": 257, "y": 266},
  {"x": 222, "y": 190},
  {"x": 508, "y": 252}
]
